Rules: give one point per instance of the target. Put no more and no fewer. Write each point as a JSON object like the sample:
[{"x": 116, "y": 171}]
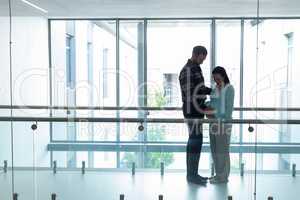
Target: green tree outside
[{"x": 155, "y": 132}]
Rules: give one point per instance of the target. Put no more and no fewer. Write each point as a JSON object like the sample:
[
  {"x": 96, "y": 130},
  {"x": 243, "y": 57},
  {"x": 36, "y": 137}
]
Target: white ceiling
[{"x": 153, "y": 8}]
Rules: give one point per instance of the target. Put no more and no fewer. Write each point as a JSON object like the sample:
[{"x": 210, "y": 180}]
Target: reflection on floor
[{"x": 72, "y": 185}]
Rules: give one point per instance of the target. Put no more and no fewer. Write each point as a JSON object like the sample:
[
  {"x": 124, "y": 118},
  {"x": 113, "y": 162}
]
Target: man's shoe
[
  {"x": 202, "y": 177},
  {"x": 196, "y": 180}
]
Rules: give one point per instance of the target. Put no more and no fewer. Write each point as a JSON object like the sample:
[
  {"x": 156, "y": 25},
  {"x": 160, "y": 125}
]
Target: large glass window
[
  {"x": 169, "y": 46},
  {"x": 151, "y": 54},
  {"x": 228, "y": 48},
  {"x": 131, "y": 75},
  {"x": 86, "y": 78}
]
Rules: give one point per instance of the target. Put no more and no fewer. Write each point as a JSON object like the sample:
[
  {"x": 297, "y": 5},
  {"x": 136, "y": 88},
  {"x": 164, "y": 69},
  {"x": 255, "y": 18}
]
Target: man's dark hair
[
  {"x": 197, "y": 50},
  {"x": 220, "y": 70}
]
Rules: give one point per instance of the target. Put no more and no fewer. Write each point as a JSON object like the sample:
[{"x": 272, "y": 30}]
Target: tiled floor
[{"x": 72, "y": 185}]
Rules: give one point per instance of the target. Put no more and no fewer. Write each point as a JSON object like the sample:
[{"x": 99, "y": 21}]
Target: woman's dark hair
[{"x": 220, "y": 70}]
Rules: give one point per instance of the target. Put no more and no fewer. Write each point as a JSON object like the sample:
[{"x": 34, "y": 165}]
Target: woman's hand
[
  {"x": 210, "y": 116},
  {"x": 210, "y": 113},
  {"x": 219, "y": 86}
]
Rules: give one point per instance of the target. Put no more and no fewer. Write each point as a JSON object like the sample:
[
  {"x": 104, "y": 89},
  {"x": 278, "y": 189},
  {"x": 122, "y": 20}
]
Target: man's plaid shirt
[{"x": 193, "y": 90}]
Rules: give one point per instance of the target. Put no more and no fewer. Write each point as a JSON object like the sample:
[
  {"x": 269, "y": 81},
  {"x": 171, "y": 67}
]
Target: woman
[{"x": 221, "y": 107}]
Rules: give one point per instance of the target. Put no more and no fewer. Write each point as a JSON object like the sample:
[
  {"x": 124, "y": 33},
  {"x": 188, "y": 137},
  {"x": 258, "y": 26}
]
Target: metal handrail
[
  {"x": 234, "y": 148},
  {"x": 166, "y": 142},
  {"x": 34, "y": 107},
  {"x": 148, "y": 120}
]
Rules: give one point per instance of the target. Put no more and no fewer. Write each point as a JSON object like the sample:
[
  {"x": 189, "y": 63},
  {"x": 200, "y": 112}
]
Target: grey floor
[{"x": 72, "y": 185}]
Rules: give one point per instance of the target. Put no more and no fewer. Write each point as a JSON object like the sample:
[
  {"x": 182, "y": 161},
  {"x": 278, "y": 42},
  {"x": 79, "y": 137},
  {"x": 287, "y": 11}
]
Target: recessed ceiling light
[{"x": 35, "y": 6}]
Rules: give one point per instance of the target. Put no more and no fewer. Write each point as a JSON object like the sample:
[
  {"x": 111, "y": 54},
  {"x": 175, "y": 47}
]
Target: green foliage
[
  {"x": 155, "y": 132},
  {"x": 159, "y": 100}
]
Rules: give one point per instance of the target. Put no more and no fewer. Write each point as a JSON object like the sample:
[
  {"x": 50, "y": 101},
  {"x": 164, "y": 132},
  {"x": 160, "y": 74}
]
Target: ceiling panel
[{"x": 154, "y": 8}]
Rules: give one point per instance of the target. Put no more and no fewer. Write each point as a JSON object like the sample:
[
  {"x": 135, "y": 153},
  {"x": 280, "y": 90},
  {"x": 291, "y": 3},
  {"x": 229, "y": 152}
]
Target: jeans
[
  {"x": 219, "y": 135},
  {"x": 194, "y": 147}
]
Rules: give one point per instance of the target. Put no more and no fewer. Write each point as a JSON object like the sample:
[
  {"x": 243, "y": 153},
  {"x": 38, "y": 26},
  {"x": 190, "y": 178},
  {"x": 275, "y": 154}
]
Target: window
[
  {"x": 169, "y": 46},
  {"x": 285, "y": 101},
  {"x": 69, "y": 60},
  {"x": 169, "y": 85},
  {"x": 90, "y": 62},
  {"x": 105, "y": 73},
  {"x": 162, "y": 52},
  {"x": 131, "y": 76},
  {"x": 290, "y": 53},
  {"x": 71, "y": 91}
]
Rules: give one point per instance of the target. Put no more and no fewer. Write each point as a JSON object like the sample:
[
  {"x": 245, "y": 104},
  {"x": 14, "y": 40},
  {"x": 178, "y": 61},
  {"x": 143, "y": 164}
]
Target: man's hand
[
  {"x": 210, "y": 116},
  {"x": 209, "y": 112}
]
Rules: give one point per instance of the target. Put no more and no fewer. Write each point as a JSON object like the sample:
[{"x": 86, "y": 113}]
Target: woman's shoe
[{"x": 218, "y": 180}]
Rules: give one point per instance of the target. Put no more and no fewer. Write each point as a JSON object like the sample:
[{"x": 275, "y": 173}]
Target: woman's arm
[{"x": 229, "y": 102}]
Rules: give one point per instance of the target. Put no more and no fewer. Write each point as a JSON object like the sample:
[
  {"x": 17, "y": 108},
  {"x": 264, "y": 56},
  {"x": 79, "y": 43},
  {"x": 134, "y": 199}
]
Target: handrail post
[
  {"x": 242, "y": 169},
  {"x": 294, "y": 170},
  {"x": 5, "y": 166},
  {"x": 133, "y": 169},
  {"x": 162, "y": 168},
  {"x": 54, "y": 167},
  {"x": 53, "y": 196},
  {"x": 15, "y": 196},
  {"x": 83, "y": 167}
]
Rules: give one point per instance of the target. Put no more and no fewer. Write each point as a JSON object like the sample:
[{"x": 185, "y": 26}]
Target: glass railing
[
  {"x": 81, "y": 152},
  {"x": 38, "y": 146}
]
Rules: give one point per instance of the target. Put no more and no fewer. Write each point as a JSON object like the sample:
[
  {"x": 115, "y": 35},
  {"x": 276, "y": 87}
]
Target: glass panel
[
  {"x": 130, "y": 131},
  {"x": 228, "y": 45},
  {"x": 167, "y": 132},
  {"x": 169, "y": 46},
  {"x": 83, "y": 74},
  {"x": 250, "y": 73},
  {"x": 276, "y": 77},
  {"x": 60, "y": 157},
  {"x": 131, "y": 48},
  {"x": 4, "y": 55},
  {"x": 105, "y": 160},
  {"x": 30, "y": 78},
  {"x": 271, "y": 164},
  {"x": 83, "y": 62},
  {"x": 5, "y": 157},
  {"x": 275, "y": 86},
  {"x": 99, "y": 159},
  {"x": 104, "y": 132},
  {"x": 131, "y": 76},
  {"x": 5, "y": 136},
  {"x": 127, "y": 158}
]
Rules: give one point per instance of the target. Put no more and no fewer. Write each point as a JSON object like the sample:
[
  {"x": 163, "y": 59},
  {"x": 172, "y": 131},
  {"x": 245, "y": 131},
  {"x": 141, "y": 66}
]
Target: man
[{"x": 194, "y": 94}]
